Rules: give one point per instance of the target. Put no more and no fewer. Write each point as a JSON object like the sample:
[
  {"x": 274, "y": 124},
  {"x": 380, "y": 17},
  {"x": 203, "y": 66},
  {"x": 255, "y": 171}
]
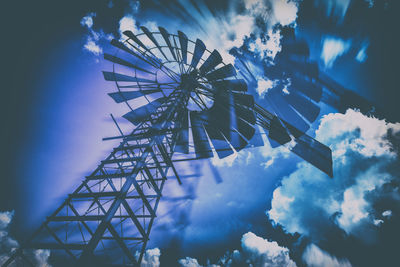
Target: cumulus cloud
[
  {"x": 332, "y": 48},
  {"x": 261, "y": 252},
  {"x": 127, "y": 23},
  {"x": 189, "y": 262},
  {"x": 255, "y": 251},
  {"x": 151, "y": 258},
  {"x": 313, "y": 256},
  {"x": 8, "y": 245},
  {"x": 364, "y": 161}
]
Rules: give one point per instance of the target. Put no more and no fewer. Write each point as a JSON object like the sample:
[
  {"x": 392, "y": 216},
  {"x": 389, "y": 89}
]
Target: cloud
[
  {"x": 261, "y": 252},
  {"x": 255, "y": 251},
  {"x": 313, "y": 256},
  {"x": 88, "y": 20},
  {"x": 8, "y": 245},
  {"x": 268, "y": 45},
  {"x": 273, "y": 12},
  {"x": 332, "y": 48},
  {"x": 127, "y": 23},
  {"x": 263, "y": 86},
  {"x": 94, "y": 38},
  {"x": 362, "y": 53},
  {"x": 93, "y": 47},
  {"x": 189, "y": 262},
  {"x": 151, "y": 258},
  {"x": 364, "y": 162}
]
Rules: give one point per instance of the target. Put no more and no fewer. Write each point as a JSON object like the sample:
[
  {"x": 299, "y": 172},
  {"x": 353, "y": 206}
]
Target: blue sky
[{"x": 57, "y": 111}]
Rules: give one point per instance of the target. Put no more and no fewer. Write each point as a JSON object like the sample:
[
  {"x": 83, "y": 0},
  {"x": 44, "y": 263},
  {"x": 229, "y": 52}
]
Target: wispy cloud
[
  {"x": 362, "y": 53},
  {"x": 313, "y": 256},
  {"x": 94, "y": 38},
  {"x": 333, "y": 48}
]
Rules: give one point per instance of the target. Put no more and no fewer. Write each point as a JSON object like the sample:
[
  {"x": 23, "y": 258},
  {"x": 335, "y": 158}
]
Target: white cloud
[
  {"x": 261, "y": 252},
  {"x": 362, "y": 53},
  {"x": 269, "y": 46},
  {"x": 255, "y": 251},
  {"x": 363, "y": 161},
  {"x": 127, "y": 23},
  {"x": 264, "y": 85},
  {"x": 387, "y": 213},
  {"x": 189, "y": 262},
  {"x": 313, "y": 256},
  {"x": 88, "y": 20},
  {"x": 332, "y": 48},
  {"x": 8, "y": 245},
  {"x": 94, "y": 38},
  {"x": 273, "y": 11},
  {"x": 285, "y": 12},
  {"x": 93, "y": 47},
  {"x": 242, "y": 157},
  {"x": 151, "y": 258}
]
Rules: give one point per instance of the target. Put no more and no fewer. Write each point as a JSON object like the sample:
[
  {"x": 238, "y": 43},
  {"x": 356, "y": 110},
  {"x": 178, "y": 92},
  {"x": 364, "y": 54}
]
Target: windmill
[{"x": 186, "y": 104}]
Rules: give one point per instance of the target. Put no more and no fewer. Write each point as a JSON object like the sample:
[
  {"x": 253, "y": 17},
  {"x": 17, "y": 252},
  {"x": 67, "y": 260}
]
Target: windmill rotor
[{"x": 219, "y": 113}]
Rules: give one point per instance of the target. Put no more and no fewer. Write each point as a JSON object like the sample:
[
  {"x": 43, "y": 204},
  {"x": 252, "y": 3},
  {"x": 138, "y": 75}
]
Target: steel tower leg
[{"x": 116, "y": 205}]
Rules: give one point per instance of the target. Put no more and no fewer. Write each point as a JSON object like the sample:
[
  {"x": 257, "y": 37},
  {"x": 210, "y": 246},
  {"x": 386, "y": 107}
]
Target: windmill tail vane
[{"x": 184, "y": 102}]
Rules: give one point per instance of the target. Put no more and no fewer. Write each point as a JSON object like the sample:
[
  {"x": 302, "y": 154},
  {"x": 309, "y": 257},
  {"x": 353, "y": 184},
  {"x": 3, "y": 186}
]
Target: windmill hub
[{"x": 189, "y": 81}]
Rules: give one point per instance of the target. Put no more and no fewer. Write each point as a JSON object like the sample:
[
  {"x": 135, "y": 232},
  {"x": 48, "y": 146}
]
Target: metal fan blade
[
  {"x": 117, "y": 77},
  {"x": 201, "y": 145},
  {"x": 243, "y": 99},
  {"x": 310, "y": 89},
  {"x": 277, "y": 132},
  {"x": 138, "y": 115},
  {"x": 182, "y": 143},
  {"x": 165, "y": 35},
  {"x": 124, "y": 63},
  {"x": 212, "y": 61},
  {"x": 221, "y": 73},
  {"x": 284, "y": 111},
  {"x": 183, "y": 40},
  {"x": 199, "y": 49},
  {"x": 244, "y": 128},
  {"x": 236, "y": 140},
  {"x": 233, "y": 85},
  {"x": 132, "y": 36},
  {"x": 221, "y": 146},
  {"x": 121, "y": 46},
  {"x": 125, "y": 96},
  {"x": 314, "y": 152},
  {"x": 256, "y": 140},
  {"x": 303, "y": 105},
  {"x": 151, "y": 37},
  {"x": 305, "y": 146}
]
